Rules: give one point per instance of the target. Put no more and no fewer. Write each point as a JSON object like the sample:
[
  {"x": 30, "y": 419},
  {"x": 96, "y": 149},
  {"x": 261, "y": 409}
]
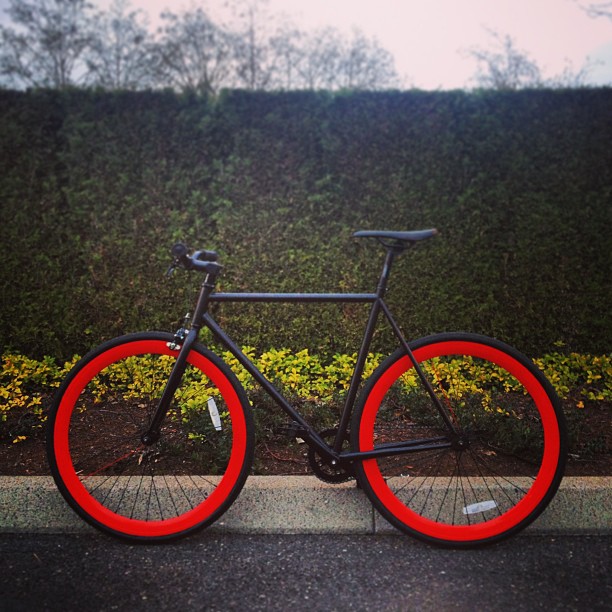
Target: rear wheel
[
  {"x": 182, "y": 482},
  {"x": 488, "y": 482}
]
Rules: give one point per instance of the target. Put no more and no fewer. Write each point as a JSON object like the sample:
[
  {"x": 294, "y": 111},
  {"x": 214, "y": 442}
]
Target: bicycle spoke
[
  {"x": 497, "y": 406},
  {"x": 172, "y": 478}
]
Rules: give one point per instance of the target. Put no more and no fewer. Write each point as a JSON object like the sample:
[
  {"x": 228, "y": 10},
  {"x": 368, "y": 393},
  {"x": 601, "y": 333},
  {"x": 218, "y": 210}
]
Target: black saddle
[{"x": 396, "y": 239}]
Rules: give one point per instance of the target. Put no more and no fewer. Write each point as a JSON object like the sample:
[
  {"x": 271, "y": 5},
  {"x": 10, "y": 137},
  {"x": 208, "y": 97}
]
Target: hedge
[{"x": 95, "y": 187}]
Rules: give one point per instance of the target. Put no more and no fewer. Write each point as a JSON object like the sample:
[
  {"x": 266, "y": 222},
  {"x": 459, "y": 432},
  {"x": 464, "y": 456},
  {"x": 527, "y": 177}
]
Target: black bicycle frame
[{"x": 333, "y": 453}]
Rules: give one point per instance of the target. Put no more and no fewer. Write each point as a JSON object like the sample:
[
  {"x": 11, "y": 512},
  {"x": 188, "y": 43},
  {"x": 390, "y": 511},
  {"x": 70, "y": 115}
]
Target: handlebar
[{"x": 201, "y": 261}]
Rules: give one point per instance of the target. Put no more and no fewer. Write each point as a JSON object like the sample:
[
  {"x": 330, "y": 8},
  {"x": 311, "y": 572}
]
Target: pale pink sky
[{"x": 427, "y": 37}]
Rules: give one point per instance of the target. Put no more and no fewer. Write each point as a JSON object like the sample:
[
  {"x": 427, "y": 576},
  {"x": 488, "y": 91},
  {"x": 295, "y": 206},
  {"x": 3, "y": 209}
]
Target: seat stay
[{"x": 442, "y": 410}]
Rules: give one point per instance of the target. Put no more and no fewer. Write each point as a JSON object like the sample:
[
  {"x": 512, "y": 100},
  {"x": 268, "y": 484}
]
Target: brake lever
[
  {"x": 172, "y": 269},
  {"x": 179, "y": 251}
]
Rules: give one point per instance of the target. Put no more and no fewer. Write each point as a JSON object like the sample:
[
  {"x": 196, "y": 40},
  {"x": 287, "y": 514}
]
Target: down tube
[{"x": 258, "y": 376}]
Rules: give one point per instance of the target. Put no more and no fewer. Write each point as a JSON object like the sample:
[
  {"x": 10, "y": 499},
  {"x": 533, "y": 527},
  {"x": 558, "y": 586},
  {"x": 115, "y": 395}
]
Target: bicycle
[{"x": 456, "y": 438}]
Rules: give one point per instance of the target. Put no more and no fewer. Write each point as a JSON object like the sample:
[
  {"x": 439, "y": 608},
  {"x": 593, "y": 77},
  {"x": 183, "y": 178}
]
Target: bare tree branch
[
  {"x": 60, "y": 43},
  {"x": 192, "y": 53},
  {"x": 504, "y": 66},
  {"x": 46, "y": 47},
  {"x": 599, "y": 9},
  {"x": 119, "y": 55}
]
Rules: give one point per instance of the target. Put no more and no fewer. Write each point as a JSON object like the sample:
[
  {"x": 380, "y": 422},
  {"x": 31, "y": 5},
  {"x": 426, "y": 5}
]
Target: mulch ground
[{"x": 278, "y": 455}]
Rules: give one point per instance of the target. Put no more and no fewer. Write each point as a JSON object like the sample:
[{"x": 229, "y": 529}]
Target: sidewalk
[{"x": 299, "y": 504}]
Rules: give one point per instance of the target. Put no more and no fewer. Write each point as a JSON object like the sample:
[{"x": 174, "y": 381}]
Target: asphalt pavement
[{"x": 217, "y": 571}]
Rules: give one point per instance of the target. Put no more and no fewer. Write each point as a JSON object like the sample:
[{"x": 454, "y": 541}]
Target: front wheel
[
  {"x": 499, "y": 470},
  {"x": 149, "y": 492}
]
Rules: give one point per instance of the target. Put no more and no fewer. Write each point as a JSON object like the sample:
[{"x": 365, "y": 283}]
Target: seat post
[{"x": 386, "y": 271}]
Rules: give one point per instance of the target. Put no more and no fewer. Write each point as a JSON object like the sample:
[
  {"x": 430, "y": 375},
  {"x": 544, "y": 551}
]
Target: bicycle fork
[{"x": 151, "y": 436}]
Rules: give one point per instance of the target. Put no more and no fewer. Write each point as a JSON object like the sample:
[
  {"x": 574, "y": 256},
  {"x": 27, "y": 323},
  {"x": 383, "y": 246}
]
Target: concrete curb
[{"x": 299, "y": 504}]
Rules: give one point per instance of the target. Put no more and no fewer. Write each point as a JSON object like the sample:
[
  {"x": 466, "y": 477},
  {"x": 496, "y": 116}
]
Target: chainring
[{"x": 323, "y": 468}]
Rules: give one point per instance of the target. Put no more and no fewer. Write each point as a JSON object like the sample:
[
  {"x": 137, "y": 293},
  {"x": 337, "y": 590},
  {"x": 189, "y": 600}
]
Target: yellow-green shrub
[
  {"x": 23, "y": 383},
  {"x": 301, "y": 373},
  {"x": 592, "y": 374},
  {"x": 26, "y": 385}
]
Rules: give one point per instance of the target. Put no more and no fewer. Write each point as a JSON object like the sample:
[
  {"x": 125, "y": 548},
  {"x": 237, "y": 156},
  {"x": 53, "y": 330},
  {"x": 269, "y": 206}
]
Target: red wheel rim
[
  {"x": 98, "y": 511},
  {"x": 510, "y": 518}
]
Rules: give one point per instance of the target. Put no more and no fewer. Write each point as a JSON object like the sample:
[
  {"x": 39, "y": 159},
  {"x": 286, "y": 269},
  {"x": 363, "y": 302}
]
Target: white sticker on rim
[
  {"x": 214, "y": 414},
  {"x": 480, "y": 507}
]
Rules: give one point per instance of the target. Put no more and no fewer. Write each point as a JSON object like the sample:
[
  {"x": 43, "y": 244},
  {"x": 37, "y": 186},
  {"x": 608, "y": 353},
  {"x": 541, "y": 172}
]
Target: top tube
[{"x": 304, "y": 298}]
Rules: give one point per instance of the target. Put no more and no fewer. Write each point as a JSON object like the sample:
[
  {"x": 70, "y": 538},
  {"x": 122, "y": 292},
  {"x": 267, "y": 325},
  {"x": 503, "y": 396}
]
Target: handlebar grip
[
  {"x": 202, "y": 261},
  {"x": 205, "y": 255}
]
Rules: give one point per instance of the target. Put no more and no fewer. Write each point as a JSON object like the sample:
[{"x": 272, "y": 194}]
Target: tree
[
  {"x": 330, "y": 61},
  {"x": 599, "y": 9},
  {"x": 286, "y": 49},
  {"x": 320, "y": 58},
  {"x": 192, "y": 53},
  {"x": 364, "y": 64},
  {"x": 253, "y": 52},
  {"x": 505, "y": 66},
  {"x": 118, "y": 56},
  {"x": 61, "y": 43},
  {"x": 46, "y": 49}
]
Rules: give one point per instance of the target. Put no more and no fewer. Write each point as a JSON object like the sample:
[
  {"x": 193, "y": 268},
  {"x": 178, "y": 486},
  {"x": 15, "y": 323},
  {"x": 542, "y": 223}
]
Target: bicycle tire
[
  {"x": 164, "y": 491},
  {"x": 509, "y": 412}
]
